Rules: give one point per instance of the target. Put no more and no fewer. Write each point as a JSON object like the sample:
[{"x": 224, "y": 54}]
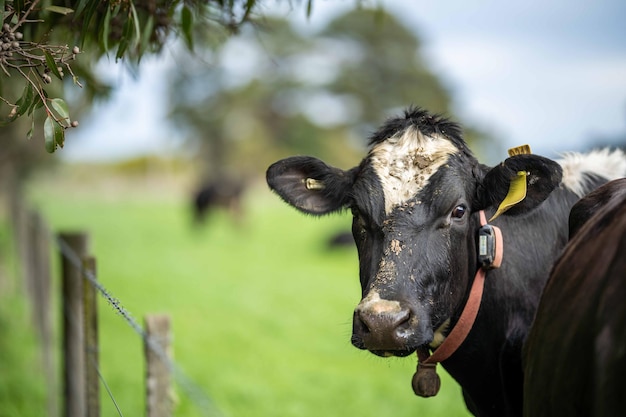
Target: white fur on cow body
[{"x": 601, "y": 162}]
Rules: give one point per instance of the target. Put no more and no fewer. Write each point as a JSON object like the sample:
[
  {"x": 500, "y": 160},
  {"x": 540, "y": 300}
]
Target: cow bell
[{"x": 426, "y": 382}]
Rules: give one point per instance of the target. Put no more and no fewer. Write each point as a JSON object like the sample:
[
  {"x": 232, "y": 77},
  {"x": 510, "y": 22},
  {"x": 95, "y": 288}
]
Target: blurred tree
[
  {"x": 274, "y": 91},
  {"x": 383, "y": 66},
  {"x": 235, "y": 102}
]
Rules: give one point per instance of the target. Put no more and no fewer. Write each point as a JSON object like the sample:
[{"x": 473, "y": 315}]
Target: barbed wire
[
  {"x": 72, "y": 320},
  {"x": 194, "y": 392}
]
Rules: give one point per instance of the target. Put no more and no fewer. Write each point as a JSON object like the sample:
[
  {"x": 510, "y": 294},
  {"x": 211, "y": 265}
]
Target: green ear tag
[{"x": 517, "y": 192}]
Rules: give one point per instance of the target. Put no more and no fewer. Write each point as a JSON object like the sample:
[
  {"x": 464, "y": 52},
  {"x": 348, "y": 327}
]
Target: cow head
[{"x": 414, "y": 199}]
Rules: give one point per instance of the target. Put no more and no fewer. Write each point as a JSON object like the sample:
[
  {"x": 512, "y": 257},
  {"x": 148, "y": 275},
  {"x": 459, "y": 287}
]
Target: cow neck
[{"x": 426, "y": 382}]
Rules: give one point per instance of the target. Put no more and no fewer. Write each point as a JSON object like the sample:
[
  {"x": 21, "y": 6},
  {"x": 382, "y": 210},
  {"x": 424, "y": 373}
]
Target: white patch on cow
[
  {"x": 605, "y": 163},
  {"x": 405, "y": 162},
  {"x": 374, "y": 304},
  {"x": 438, "y": 338}
]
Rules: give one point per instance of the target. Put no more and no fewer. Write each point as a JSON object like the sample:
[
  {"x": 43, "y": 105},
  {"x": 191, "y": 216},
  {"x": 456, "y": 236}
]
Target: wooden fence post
[
  {"x": 90, "y": 329},
  {"x": 17, "y": 220},
  {"x": 159, "y": 401},
  {"x": 39, "y": 258},
  {"x": 72, "y": 305}
]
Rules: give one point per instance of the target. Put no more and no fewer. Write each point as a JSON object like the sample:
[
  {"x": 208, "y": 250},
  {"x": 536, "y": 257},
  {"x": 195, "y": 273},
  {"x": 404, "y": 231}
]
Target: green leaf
[
  {"x": 90, "y": 9},
  {"x": 25, "y": 102},
  {"x": 121, "y": 49},
  {"x": 187, "y": 26},
  {"x": 21, "y": 99},
  {"x": 59, "y": 135},
  {"x": 29, "y": 135},
  {"x": 60, "y": 10},
  {"x": 147, "y": 32},
  {"x": 104, "y": 34},
  {"x": 18, "y": 5},
  {"x": 81, "y": 5},
  {"x": 48, "y": 135},
  {"x": 52, "y": 65},
  {"x": 1, "y": 10},
  {"x": 116, "y": 9},
  {"x": 37, "y": 103},
  {"x": 62, "y": 111},
  {"x": 125, "y": 39},
  {"x": 135, "y": 20}
]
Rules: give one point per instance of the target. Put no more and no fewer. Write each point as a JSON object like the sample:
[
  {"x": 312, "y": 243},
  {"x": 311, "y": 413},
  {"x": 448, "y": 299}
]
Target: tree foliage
[
  {"x": 41, "y": 44},
  {"x": 385, "y": 67},
  {"x": 288, "y": 92}
]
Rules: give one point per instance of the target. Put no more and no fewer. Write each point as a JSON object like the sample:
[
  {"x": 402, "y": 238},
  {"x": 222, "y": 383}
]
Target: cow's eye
[{"x": 459, "y": 212}]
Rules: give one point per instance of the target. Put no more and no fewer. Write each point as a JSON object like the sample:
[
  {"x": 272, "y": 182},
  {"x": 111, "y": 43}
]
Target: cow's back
[{"x": 575, "y": 357}]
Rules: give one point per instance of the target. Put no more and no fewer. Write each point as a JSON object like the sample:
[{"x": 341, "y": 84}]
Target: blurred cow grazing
[
  {"x": 575, "y": 357},
  {"x": 340, "y": 239},
  {"x": 416, "y": 201},
  {"x": 223, "y": 192}
]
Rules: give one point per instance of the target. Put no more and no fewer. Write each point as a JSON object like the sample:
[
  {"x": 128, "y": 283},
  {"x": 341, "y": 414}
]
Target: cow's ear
[
  {"x": 519, "y": 184},
  {"x": 309, "y": 184}
]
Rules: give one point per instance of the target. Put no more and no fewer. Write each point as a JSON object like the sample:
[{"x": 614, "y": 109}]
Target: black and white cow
[
  {"x": 416, "y": 199},
  {"x": 575, "y": 355}
]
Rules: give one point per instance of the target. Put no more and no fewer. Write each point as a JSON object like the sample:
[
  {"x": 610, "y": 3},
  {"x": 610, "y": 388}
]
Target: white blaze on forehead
[{"x": 405, "y": 162}]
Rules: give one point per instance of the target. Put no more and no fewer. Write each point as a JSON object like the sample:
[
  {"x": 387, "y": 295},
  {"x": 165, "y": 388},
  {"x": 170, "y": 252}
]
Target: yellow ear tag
[
  {"x": 520, "y": 150},
  {"x": 517, "y": 192}
]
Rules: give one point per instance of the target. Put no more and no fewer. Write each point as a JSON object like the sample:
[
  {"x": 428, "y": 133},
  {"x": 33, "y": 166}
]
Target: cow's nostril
[
  {"x": 402, "y": 320},
  {"x": 382, "y": 329},
  {"x": 360, "y": 325}
]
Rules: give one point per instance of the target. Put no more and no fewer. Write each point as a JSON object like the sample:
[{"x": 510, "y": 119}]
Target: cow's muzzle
[{"x": 385, "y": 327}]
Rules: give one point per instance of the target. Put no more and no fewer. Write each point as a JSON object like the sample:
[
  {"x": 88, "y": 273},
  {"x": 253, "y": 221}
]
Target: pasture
[{"x": 261, "y": 312}]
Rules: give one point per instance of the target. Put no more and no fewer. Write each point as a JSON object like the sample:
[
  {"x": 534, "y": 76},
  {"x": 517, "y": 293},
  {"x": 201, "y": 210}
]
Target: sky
[{"x": 550, "y": 73}]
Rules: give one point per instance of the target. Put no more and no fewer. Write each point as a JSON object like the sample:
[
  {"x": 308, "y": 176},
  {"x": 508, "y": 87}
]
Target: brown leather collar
[{"x": 426, "y": 382}]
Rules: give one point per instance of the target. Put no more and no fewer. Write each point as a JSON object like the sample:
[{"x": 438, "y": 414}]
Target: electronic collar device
[{"x": 489, "y": 244}]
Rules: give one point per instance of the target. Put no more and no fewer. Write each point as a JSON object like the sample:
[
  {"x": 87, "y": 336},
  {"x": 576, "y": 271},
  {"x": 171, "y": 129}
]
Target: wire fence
[{"x": 37, "y": 231}]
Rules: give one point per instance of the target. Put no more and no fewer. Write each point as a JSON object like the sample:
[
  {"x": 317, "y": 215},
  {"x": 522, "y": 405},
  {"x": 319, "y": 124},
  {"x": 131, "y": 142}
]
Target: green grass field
[{"x": 261, "y": 312}]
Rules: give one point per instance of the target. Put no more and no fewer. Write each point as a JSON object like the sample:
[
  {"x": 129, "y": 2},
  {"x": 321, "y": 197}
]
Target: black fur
[
  {"x": 575, "y": 363},
  {"x": 427, "y": 123},
  {"x": 422, "y": 254},
  {"x": 594, "y": 201},
  {"x": 542, "y": 173}
]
